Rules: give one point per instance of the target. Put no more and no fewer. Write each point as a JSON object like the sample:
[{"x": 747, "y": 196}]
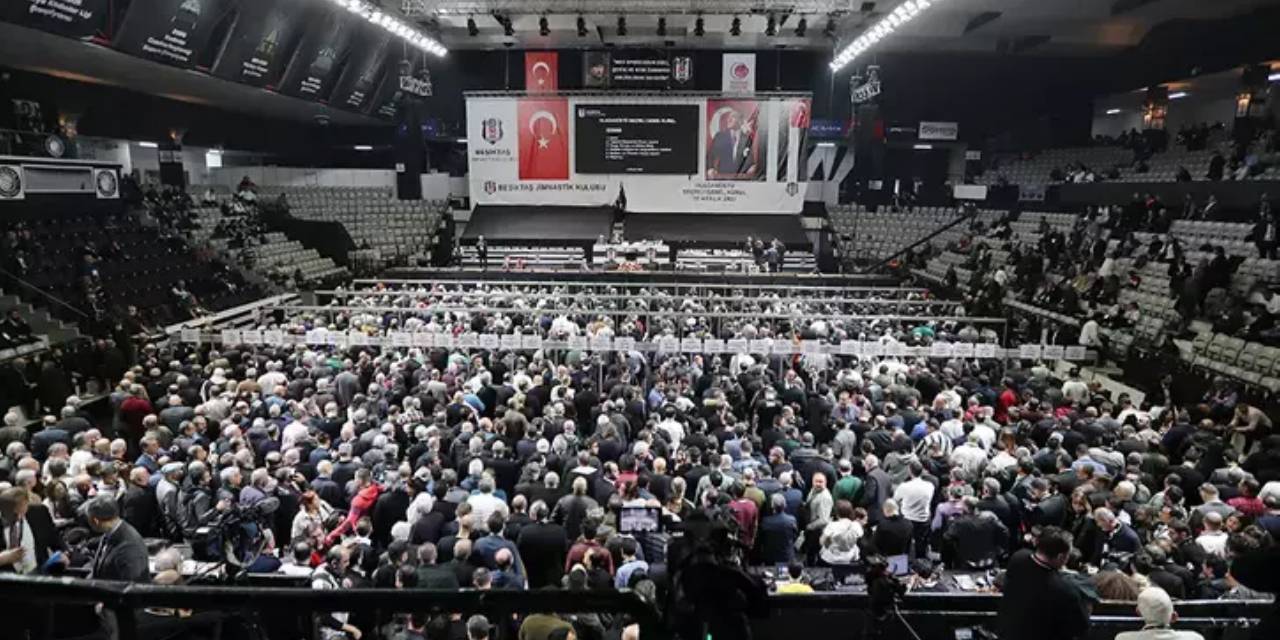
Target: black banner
[
  {"x": 320, "y": 56},
  {"x": 652, "y": 139},
  {"x": 169, "y": 31},
  {"x": 75, "y": 18},
  {"x": 264, "y": 33},
  {"x": 642, "y": 69},
  {"x": 361, "y": 77}
]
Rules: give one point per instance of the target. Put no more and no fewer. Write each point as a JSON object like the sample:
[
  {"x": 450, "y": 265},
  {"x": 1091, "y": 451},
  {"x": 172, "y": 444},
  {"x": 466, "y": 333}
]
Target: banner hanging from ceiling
[
  {"x": 74, "y": 18},
  {"x": 667, "y": 154},
  {"x": 264, "y": 33},
  {"x": 363, "y": 72},
  {"x": 541, "y": 71},
  {"x": 320, "y": 56},
  {"x": 739, "y": 73},
  {"x": 170, "y": 31}
]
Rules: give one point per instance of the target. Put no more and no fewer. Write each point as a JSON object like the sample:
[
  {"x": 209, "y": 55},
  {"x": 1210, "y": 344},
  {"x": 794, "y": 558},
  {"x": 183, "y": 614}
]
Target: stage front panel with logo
[{"x": 661, "y": 155}]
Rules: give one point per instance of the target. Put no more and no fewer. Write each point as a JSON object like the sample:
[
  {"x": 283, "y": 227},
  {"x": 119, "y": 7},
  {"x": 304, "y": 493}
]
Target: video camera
[{"x": 237, "y": 536}]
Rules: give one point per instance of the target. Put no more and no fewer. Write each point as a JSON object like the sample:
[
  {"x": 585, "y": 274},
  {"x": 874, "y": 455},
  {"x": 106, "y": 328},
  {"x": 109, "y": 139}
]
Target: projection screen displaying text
[{"x": 636, "y": 138}]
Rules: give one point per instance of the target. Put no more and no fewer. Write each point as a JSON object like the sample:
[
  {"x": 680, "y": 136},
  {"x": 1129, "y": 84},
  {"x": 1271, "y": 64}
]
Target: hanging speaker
[
  {"x": 11, "y": 182},
  {"x": 106, "y": 184}
]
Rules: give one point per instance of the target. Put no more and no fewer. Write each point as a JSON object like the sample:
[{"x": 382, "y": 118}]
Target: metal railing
[{"x": 10, "y": 276}]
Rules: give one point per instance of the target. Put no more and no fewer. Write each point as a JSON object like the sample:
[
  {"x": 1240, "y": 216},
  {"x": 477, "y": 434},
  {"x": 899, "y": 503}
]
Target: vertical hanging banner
[
  {"x": 169, "y": 31},
  {"x": 264, "y": 33},
  {"x": 739, "y": 72},
  {"x": 544, "y": 139},
  {"x": 74, "y": 18},
  {"x": 541, "y": 71},
  {"x": 793, "y": 127},
  {"x": 319, "y": 56},
  {"x": 737, "y": 140},
  {"x": 355, "y": 89}
]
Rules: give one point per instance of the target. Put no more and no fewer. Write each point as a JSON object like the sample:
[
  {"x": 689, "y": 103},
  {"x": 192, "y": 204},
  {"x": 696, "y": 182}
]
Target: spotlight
[
  {"x": 662, "y": 26},
  {"x": 830, "y": 31},
  {"x": 622, "y": 25},
  {"x": 735, "y": 28},
  {"x": 543, "y": 27},
  {"x": 801, "y": 27},
  {"x": 508, "y": 29},
  {"x": 771, "y": 27},
  {"x": 582, "y": 27},
  {"x": 472, "y": 29},
  {"x": 699, "y": 27}
]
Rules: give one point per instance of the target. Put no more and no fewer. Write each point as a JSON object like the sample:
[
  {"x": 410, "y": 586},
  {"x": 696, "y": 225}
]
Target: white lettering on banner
[
  {"x": 67, "y": 11},
  {"x": 489, "y": 341},
  {"x": 624, "y": 344},
  {"x": 984, "y": 351},
  {"x": 668, "y": 344},
  {"x": 1029, "y": 351},
  {"x": 762, "y": 346},
  {"x": 939, "y": 131},
  {"x": 468, "y": 341},
  {"x": 511, "y": 342}
]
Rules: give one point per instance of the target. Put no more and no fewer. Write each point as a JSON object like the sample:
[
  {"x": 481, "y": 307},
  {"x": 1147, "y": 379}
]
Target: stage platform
[
  {"x": 717, "y": 231},
  {"x": 538, "y": 226},
  {"x": 497, "y": 275}
]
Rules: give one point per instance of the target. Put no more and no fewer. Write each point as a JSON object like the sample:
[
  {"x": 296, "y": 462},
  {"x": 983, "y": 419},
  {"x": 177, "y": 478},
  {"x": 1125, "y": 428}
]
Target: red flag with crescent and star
[
  {"x": 541, "y": 69},
  {"x": 544, "y": 139}
]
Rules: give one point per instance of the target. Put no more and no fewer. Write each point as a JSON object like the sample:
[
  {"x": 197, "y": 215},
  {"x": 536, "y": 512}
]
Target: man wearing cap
[{"x": 1158, "y": 616}]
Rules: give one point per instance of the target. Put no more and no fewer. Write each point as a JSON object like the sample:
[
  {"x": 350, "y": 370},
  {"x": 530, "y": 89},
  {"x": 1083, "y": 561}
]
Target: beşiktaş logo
[
  {"x": 10, "y": 182},
  {"x": 682, "y": 69},
  {"x": 792, "y": 188},
  {"x": 490, "y": 187},
  {"x": 107, "y": 184},
  {"x": 491, "y": 130}
]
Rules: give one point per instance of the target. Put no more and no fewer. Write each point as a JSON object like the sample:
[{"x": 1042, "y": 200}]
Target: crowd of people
[
  {"x": 1082, "y": 271},
  {"x": 431, "y": 468}
]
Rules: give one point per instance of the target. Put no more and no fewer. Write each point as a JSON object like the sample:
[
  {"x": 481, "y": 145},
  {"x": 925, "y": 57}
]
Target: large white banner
[{"x": 525, "y": 151}]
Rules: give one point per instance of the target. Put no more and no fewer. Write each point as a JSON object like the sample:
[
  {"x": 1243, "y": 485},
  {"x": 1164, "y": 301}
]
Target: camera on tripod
[{"x": 238, "y": 536}]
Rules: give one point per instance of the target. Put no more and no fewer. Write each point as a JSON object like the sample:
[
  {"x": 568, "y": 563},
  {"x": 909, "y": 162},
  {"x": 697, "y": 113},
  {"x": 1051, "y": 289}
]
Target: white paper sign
[
  {"x": 1054, "y": 352},
  {"x": 1029, "y": 352},
  {"x": 624, "y": 344},
  {"x": 600, "y": 343},
  {"x": 510, "y": 342},
  {"x": 489, "y": 341},
  {"x": 273, "y": 336},
  {"x": 985, "y": 351},
  {"x": 531, "y": 342},
  {"x": 230, "y": 337},
  {"x": 690, "y": 345},
  {"x": 713, "y": 345},
  {"x": 737, "y": 345},
  {"x": 962, "y": 349},
  {"x": 1076, "y": 352},
  {"x": 251, "y": 336},
  {"x": 191, "y": 336},
  {"x": 577, "y": 343}
]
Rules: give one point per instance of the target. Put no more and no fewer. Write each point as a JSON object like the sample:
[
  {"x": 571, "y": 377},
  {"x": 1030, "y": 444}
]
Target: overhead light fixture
[
  {"x": 906, "y": 12},
  {"x": 699, "y": 27},
  {"x": 830, "y": 31},
  {"x": 622, "y": 25},
  {"x": 544, "y": 27},
  {"x": 923, "y": 147},
  {"x": 508, "y": 29},
  {"x": 735, "y": 28},
  {"x": 825, "y": 145},
  {"x": 582, "y": 27},
  {"x": 149, "y": 145},
  {"x": 1112, "y": 112},
  {"x": 394, "y": 26},
  {"x": 1178, "y": 95},
  {"x": 472, "y": 29},
  {"x": 801, "y": 27},
  {"x": 363, "y": 147},
  {"x": 771, "y": 26},
  {"x": 662, "y": 26}
]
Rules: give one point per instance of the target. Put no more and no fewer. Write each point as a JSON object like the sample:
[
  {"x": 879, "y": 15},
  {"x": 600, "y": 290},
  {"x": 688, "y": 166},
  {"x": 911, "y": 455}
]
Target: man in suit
[
  {"x": 121, "y": 555},
  {"x": 728, "y": 148},
  {"x": 543, "y": 546},
  {"x": 27, "y": 534}
]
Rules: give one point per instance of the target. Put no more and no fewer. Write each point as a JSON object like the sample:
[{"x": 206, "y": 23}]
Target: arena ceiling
[{"x": 1044, "y": 27}]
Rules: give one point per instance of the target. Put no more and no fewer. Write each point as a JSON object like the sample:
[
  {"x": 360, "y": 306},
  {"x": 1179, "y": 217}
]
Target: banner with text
[
  {"x": 320, "y": 56},
  {"x": 669, "y": 154},
  {"x": 264, "y": 33},
  {"x": 75, "y": 18},
  {"x": 169, "y": 31}
]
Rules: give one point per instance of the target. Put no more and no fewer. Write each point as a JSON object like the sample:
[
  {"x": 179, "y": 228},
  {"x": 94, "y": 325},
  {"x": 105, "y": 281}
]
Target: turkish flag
[
  {"x": 800, "y": 114},
  {"x": 544, "y": 139},
  {"x": 541, "y": 68}
]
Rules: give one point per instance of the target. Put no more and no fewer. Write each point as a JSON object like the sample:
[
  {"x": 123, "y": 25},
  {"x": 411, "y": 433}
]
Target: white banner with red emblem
[{"x": 751, "y": 154}]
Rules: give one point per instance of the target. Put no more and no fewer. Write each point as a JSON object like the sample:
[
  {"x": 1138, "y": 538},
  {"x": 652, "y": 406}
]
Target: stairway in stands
[{"x": 42, "y": 322}]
